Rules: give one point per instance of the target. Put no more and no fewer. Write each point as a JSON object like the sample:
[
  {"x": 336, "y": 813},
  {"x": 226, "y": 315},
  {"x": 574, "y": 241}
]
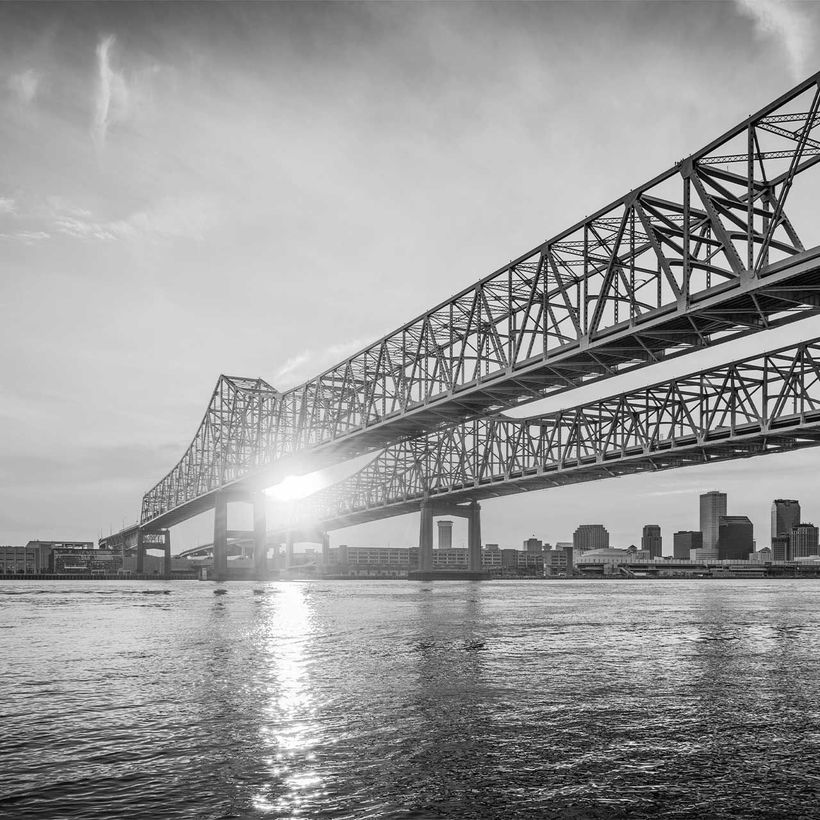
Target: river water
[{"x": 399, "y": 699}]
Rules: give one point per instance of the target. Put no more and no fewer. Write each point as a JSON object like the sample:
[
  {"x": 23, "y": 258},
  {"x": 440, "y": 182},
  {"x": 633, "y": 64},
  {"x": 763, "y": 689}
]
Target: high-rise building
[
  {"x": 534, "y": 545},
  {"x": 651, "y": 540},
  {"x": 445, "y": 535},
  {"x": 781, "y": 548},
  {"x": 735, "y": 538},
  {"x": 712, "y": 507},
  {"x": 686, "y": 540},
  {"x": 590, "y": 537},
  {"x": 785, "y": 515},
  {"x": 804, "y": 541}
]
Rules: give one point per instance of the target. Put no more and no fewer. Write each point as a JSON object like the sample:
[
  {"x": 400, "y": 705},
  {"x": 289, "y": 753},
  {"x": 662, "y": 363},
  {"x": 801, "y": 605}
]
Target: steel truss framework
[
  {"x": 234, "y": 437},
  {"x": 763, "y": 404},
  {"x": 704, "y": 250}
]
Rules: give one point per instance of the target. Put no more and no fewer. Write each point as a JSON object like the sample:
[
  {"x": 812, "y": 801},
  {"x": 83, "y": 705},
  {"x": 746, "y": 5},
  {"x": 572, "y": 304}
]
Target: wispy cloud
[
  {"x": 30, "y": 237},
  {"x": 174, "y": 217},
  {"x": 293, "y": 365},
  {"x": 85, "y": 228},
  {"x": 24, "y": 85},
  {"x": 112, "y": 98},
  {"x": 26, "y": 237},
  {"x": 310, "y": 363},
  {"x": 786, "y": 22}
]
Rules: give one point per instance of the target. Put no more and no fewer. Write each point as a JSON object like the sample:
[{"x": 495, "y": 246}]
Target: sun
[{"x": 294, "y": 487}]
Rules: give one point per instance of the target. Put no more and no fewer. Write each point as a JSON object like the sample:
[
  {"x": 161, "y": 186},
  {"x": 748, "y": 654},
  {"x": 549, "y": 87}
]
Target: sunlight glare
[{"x": 294, "y": 487}]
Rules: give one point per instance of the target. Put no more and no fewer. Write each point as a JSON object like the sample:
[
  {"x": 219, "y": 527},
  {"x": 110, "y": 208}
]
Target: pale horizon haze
[{"x": 189, "y": 189}]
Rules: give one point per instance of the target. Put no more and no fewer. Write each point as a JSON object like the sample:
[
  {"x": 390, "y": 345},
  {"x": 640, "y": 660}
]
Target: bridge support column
[
  {"x": 166, "y": 559},
  {"x": 220, "y": 537},
  {"x": 474, "y": 537},
  {"x": 426, "y": 538},
  {"x": 325, "y": 549},
  {"x": 140, "y": 554},
  {"x": 289, "y": 551},
  {"x": 260, "y": 546}
]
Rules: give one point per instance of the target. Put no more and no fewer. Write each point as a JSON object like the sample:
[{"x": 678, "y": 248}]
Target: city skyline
[{"x": 762, "y": 538}]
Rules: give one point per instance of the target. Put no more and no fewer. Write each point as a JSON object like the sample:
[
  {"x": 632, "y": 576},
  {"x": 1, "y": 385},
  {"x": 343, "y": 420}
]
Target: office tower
[
  {"x": 803, "y": 541},
  {"x": 445, "y": 535},
  {"x": 712, "y": 507},
  {"x": 781, "y": 548},
  {"x": 534, "y": 545},
  {"x": 735, "y": 538},
  {"x": 686, "y": 540},
  {"x": 651, "y": 540},
  {"x": 785, "y": 515},
  {"x": 590, "y": 537}
]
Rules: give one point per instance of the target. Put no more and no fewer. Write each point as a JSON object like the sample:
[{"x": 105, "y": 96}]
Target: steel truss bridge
[{"x": 720, "y": 246}]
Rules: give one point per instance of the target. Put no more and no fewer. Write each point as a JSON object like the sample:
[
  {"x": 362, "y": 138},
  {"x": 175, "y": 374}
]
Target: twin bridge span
[{"x": 722, "y": 245}]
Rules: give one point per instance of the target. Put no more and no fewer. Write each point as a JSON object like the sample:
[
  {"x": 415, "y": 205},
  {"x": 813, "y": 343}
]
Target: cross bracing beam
[
  {"x": 701, "y": 252},
  {"x": 762, "y": 404}
]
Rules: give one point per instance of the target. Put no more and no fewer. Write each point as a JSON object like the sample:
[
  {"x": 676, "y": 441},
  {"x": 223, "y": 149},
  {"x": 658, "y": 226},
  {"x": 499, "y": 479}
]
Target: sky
[{"x": 260, "y": 190}]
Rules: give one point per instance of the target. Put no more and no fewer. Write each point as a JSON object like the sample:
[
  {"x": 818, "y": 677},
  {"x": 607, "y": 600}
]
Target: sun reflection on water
[{"x": 289, "y": 726}]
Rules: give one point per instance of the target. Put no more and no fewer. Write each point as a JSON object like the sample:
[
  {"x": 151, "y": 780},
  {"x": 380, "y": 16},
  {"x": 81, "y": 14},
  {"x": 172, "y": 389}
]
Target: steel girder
[
  {"x": 761, "y": 404},
  {"x": 700, "y": 252}
]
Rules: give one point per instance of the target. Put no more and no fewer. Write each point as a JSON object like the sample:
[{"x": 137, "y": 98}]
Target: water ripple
[{"x": 401, "y": 700}]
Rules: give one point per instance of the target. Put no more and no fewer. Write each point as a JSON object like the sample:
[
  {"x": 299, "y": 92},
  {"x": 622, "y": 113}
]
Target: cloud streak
[
  {"x": 112, "y": 98},
  {"x": 171, "y": 218},
  {"x": 786, "y": 23},
  {"x": 294, "y": 365},
  {"x": 26, "y": 237},
  {"x": 310, "y": 363}
]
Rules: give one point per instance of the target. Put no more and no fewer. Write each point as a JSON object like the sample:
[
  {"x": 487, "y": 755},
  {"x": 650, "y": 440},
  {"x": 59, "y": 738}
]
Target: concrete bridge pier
[
  {"x": 221, "y": 537},
  {"x": 325, "y": 548},
  {"x": 260, "y": 547},
  {"x": 289, "y": 551},
  {"x": 471, "y": 511},
  {"x": 147, "y": 539},
  {"x": 426, "y": 538},
  {"x": 474, "y": 537}
]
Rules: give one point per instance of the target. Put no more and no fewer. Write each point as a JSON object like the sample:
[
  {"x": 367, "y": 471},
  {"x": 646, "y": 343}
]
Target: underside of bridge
[{"x": 704, "y": 252}]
